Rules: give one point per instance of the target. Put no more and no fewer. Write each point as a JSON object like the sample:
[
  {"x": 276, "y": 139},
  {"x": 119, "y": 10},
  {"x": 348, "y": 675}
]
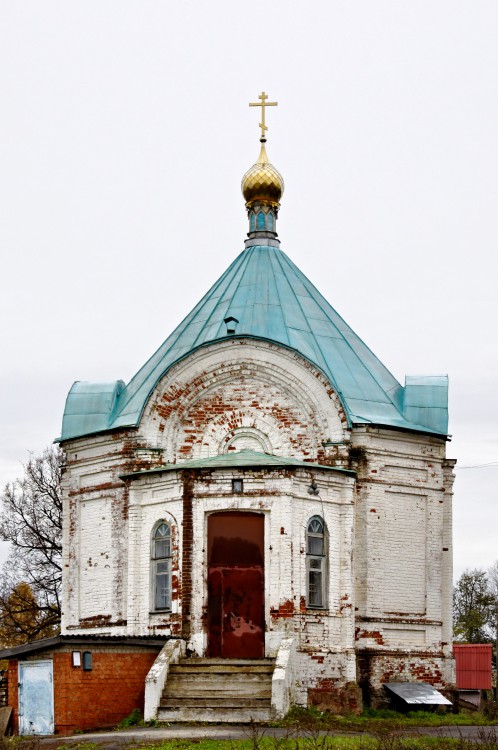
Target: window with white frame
[
  {"x": 161, "y": 567},
  {"x": 316, "y": 563}
]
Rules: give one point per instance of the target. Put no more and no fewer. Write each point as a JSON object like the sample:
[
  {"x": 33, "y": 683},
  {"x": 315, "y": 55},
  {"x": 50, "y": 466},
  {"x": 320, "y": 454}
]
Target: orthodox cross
[{"x": 263, "y": 104}]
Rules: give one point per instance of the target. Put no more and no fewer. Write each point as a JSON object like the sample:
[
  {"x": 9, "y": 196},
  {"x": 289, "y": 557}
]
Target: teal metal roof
[
  {"x": 88, "y": 407},
  {"x": 244, "y": 459},
  {"x": 271, "y": 300}
]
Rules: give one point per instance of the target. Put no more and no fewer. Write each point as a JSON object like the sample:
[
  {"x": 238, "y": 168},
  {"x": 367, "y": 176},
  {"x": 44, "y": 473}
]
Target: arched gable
[{"x": 243, "y": 394}]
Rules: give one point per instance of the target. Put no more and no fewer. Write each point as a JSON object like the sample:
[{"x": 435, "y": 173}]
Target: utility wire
[{"x": 478, "y": 466}]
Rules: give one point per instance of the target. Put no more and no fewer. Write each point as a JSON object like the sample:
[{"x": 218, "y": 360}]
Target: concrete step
[
  {"x": 214, "y": 687},
  {"x": 214, "y": 715},
  {"x": 218, "y": 690},
  {"x": 228, "y": 669},
  {"x": 228, "y": 702},
  {"x": 261, "y": 673},
  {"x": 225, "y": 682},
  {"x": 209, "y": 660},
  {"x": 193, "y": 692}
]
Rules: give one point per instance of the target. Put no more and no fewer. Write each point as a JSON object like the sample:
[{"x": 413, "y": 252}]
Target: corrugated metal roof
[
  {"x": 240, "y": 459},
  {"x": 272, "y": 300},
  {"x": 473, "y": 662}
]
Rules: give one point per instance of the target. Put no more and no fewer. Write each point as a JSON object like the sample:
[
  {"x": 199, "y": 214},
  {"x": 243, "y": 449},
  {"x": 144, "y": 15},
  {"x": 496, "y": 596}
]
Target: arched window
[
  {"x": 161, "y": 567},
  {"x": 270, "y": 222},
  {"x": 261, "y": 220},
  {"x": 316, "y": 559},
  {"x": 252, "y": 222}
]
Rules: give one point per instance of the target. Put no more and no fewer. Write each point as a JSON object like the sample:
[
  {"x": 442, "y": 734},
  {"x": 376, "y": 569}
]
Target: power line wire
[{"x": 478, "y": 466}]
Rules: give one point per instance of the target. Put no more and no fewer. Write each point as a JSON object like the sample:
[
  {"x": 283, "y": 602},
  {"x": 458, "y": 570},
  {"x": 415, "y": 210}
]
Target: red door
[{"x": 236, "y": 585}]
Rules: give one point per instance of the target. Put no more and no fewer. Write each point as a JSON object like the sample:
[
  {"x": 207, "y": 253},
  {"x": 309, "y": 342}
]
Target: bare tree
[
  {"x": 493, "y": 584},
  {"x": 493, "y": 578},
  {"x": 31, "y": 519}
]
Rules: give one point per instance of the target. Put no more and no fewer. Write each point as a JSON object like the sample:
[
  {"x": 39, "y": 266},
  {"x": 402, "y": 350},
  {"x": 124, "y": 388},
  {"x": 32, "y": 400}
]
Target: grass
[
  {"x": 311, "y": 729},
  {"x": 320, "y": 741},
  {"x": 372, "y": 720}
]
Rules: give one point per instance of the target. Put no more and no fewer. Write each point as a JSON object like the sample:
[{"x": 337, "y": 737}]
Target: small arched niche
[{"x": 248, "y": 439}]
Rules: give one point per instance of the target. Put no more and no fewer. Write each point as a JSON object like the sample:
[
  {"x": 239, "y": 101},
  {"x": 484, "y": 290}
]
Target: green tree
[
  {"x": 31, "y": 520},
  {"x": 473, "y": 607}
]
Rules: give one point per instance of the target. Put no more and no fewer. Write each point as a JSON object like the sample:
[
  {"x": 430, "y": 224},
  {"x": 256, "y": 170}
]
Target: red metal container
[{"x": 473, "y": 665}]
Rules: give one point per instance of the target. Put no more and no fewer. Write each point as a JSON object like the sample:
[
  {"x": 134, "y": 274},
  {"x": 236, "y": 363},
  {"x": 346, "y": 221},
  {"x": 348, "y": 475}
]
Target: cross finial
[{"x": 263, "y": 103}]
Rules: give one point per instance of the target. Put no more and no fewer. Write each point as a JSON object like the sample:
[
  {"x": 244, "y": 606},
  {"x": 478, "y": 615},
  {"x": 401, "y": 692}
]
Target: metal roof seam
[
  {"x": 237, "y": 271},
  {"x": 307, "y": 330},
  {"x": 326, "y": 371},
  {"x": 306, "y": 282},
  {"x": 272, "y": 258},
  {"x": 179, "y": 330}
]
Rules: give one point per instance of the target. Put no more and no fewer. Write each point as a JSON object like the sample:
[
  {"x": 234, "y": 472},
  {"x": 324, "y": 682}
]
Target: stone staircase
[{"x": 218, "y": 690}]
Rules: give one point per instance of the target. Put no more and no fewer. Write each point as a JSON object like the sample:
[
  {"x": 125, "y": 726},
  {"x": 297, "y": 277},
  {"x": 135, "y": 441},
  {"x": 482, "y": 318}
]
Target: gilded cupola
[
  {"x": 262, "y": 183},
  {"x": 262, "y": 186}
]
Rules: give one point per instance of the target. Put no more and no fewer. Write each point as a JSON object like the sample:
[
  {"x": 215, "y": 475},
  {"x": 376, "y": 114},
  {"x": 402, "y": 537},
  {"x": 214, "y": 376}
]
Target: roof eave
[
  {"x": 44, "y": 644},
  {"x": 250, "y": 467},
  {"x": 416, "y": 429}
]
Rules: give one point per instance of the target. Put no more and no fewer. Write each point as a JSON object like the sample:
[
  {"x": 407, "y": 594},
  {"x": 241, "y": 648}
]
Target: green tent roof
[
  {"x": 271, "y": 300},
  {"x": 244, "y": 459}
]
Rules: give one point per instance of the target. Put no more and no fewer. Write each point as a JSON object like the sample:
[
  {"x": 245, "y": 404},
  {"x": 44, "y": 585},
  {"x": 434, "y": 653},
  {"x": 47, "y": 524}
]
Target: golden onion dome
[{"x": 262, "y": 183}]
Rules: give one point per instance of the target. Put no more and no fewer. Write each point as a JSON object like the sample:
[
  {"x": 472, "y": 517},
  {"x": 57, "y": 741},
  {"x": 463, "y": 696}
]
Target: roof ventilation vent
[{"x": 231, "y": 324}]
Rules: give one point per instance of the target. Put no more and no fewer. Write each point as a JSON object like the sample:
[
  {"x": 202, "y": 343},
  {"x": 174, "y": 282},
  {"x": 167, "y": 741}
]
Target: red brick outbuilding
[{"x": 97, "y": 681}]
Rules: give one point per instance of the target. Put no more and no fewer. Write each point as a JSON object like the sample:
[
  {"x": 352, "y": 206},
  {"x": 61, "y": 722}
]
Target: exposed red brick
[
  {"x": 95, "y": 699},
  {"x": 285, "y": 609}
]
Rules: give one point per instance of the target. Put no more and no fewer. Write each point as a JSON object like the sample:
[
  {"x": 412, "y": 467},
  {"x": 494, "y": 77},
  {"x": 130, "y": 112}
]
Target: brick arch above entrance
[{"x": 201, "y": 404}]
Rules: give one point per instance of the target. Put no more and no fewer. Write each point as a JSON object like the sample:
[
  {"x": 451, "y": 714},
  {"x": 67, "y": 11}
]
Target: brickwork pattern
[
  {"x": 13, "y": 692},
  {"x": 403, "y": 555},
  {"x": 228, "y": 388},
  {"x": 93, "y": 699},
  {"x": 102, "y": 697}
]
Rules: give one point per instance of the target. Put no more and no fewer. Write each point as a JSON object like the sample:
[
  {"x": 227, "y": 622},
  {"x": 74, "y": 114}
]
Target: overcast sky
[{"x": 125, "y": 131}]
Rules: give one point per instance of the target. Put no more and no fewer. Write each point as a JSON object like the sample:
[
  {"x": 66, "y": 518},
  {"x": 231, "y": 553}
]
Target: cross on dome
[
  {"x": 262, "y": 187},
  {"x": 263, "y": 103}
]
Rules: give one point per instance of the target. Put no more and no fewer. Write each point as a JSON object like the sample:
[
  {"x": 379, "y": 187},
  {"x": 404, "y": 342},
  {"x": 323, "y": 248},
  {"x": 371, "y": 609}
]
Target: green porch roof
[
  {"x": 243, "y": 459},
  {"x": 271, "y": 300}
]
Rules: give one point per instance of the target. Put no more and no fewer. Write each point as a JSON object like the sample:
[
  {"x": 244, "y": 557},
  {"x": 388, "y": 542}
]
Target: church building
[{"x": 262, "y": 516}]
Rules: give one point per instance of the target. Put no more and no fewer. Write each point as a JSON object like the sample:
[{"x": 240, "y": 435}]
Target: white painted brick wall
[
  {"x": 403, "y": 553},
  {"x": 389, "y": 568}
]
